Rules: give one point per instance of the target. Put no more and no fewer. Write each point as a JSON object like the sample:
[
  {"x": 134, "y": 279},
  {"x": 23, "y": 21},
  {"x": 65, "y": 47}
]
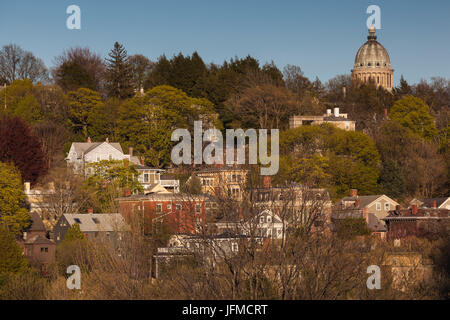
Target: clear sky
[{"x": 320, "y": 36}]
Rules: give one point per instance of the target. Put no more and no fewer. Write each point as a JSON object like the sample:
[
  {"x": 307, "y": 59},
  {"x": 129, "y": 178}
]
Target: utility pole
[{"x": 5, "y": 95}]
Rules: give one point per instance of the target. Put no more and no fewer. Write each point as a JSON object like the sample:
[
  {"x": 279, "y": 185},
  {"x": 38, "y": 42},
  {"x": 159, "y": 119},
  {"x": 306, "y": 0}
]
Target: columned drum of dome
[{"x": 372, "y": 62}]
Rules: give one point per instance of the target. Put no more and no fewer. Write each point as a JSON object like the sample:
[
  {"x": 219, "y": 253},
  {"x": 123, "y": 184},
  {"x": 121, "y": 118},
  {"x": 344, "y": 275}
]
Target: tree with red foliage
[{"x": 20, "y": 146}]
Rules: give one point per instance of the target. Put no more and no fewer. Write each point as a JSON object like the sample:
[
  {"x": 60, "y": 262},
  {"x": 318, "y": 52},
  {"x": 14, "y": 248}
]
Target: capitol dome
[{"x": 372, "y": 62}]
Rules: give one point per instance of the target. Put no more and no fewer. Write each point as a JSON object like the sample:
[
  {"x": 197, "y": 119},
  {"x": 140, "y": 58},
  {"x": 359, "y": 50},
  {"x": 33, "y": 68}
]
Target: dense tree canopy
[{"x": 19, "y": 145}]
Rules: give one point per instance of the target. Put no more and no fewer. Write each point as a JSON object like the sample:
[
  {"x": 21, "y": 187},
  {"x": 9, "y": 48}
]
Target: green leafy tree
[
  {"x": 81, "y": 103},
  {"x": 11, "y": 254},
  {"x": 325, "y": 156},
  {"x": 414, "y": 114},
  {"x": 21, "y": 101},
  {"x": 109, "y": 179},
  {"x": 147, "y": 122},
  {"x": 13, "y": 211},
  {"x": 119, "y": 75}
]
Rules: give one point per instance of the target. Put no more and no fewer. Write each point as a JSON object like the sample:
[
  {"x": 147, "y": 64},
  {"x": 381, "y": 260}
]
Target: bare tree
[{"x": 16, "y": 63}]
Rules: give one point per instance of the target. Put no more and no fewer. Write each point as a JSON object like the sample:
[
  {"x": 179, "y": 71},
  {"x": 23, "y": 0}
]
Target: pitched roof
[
  {"x": 36, "y": 223},
  {"x": 364, "y": 201},
  {"x": 86, "y": 147},
  {"x": 428, "y": 202},
  {"x": 39, "y": 240},
  {"x": 98, "y": 221}
]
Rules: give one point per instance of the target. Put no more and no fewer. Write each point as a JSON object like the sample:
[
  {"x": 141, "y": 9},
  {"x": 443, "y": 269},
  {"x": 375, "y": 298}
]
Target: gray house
[{"x": 101, "y": 226}]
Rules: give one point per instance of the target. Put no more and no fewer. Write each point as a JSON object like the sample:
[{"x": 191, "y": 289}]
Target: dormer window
[
  {"x": 369, "y": 64},
  {"x": 378, "y": 64}
]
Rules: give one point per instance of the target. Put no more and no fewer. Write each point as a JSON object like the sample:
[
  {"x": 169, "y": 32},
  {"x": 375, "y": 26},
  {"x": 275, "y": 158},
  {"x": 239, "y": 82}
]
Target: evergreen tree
[
  {"x": 13, "y": 212},
  {"x": 74, "y": 233},
  {"x": 11, "y": 254},
  {"x": 119, "y": 75}
]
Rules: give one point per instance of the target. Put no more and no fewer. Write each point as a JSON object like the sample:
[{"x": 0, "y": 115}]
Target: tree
[
  {"x": 74, "y": 233},
  {"x": 11, "y": 254},
  {"x": 264, "y": 107},
  {"x": 119, "y": 73},
  {"x": 21, "y": 101},
  {"x": 413, "y": 113},
  {"x": 403, "y": 89},
  {"x": 71, "y": 76},
  {"x": 19, "y": 145},
  {"x": 13, "y": 211},
  {"x": 79, "y": 68},
  {"x": 141, "y": 67},
  {"x": 147, "y": 122},
  {"x": 16, "y": 63},
  {"x": 326, "y": 156},
  {"x": 422, "y": 170},
  {"x": 349, "y": 228},
  {"x": 109, "y": 180},
  {"x": 81, "y": 103}
]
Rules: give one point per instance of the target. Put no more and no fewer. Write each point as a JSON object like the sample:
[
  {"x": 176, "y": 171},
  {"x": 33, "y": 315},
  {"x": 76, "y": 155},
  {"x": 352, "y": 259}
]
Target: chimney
[
  {"x": 434, "y": 205},
  {"x": 267, "y": 182},
  {"x": 90, "y": 211},
  {"x": 357, "y": 203},
  {"x": 127, "y": 193},
  {"x": 143, "y": 161},
  {"x": 336, "y": 112},
  {"x": 353, "y": 192},
  {"x": 107, "y": 140},
  {"x": 328, "y": 112},
  {"x": 414, "y": 209},
  {"x": 130, "y": 151},
  {"x": 385, "y": 113},
  {"x": 27, "y": 187},
  {"x": 89, "y": 140}
]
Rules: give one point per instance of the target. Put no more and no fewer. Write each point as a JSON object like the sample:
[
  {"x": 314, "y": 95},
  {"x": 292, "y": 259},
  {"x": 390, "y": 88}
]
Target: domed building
[{"x": 372, "y": 62}]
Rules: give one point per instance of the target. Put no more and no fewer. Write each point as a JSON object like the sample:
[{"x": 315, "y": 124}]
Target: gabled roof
[
  {"x": 86, "y": 147},
  {"x": 428, "y": 202},
  {"x": 98, "y": 221},
  {"x": 365, "y": 201},
  {"x": 36, "y": 223}
]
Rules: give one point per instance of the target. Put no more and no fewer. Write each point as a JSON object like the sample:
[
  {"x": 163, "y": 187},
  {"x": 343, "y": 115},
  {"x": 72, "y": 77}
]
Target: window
[
  {"x": 169, "y": 206},
  {"x": 159, "y": 207},
  {"x": 269, "y": 219},
  {"x": 234, "y": 247},
  {"x": 387, "y": 207},
  {"x": 235, "y": 192},
  {"x": 77, "y": 220},
  {"x": 178, "y": 206},
  {"x": 110, "y": 157},
  {"x": 261, "y": 219},
  {"x": 96, "y": 221},
  {"x": 378, "y": 206},
  {"x": 44, "y": 249},
  {"x": 146, "y": 177},
  {"x": 198, "y": 206}
]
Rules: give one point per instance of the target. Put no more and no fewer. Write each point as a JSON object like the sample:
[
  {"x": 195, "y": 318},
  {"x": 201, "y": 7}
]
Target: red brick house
[
  {"x": 417, "y": 222},
  {"x": 182, "y": 213}
]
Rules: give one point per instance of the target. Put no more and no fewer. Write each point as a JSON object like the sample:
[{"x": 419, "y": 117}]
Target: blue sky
[{"x": 320, "y": 36}]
